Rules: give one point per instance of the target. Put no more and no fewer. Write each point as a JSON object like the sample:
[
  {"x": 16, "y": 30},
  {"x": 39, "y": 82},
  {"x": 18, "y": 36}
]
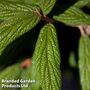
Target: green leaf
[
  {"x": 73, "y": 16},
  {"x": 12, "y": 9},
  {"x": 20, "y": 1},
  {"x": 17, "y": 25},
  {"x": 88, "y": 5},
  {"x": 28, "y": 74},
  {"x": 10, "y": 73},
  {"x": 72, "y": 60},
  {"x": 46, "y": 59},
  {"x": 84, "y": 62},
  {"x": 81, "y": 3},
  {"x": 45, "y": 5}
]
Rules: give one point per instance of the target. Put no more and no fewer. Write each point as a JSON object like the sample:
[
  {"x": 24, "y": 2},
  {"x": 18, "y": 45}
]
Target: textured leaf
[
  {"x": 81, "y": 3},
  {"x": 26, "y": 75},
  {"x": 21, "y": 1},
  {"x": 46, "y": 59},
  {"x": 17, "y": 25},
  {"x": 45, "y": 5},
  {"x": 84, "y": 62},
  {"x": 9, "y": 9},
  {"x": 10, "y": 73},
  {"x": 73, "y": 16}
]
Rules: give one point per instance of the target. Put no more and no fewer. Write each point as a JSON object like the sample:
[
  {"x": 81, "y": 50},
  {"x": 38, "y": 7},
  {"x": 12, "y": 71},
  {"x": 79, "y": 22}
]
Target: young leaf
[
  {"x": 16, "y": 25},
  {"x": 84, "y": 62},
  {"x": 46, "y": 59},
  {"x": 10, "y": 73},
  {"x": 73, "y": 16}
]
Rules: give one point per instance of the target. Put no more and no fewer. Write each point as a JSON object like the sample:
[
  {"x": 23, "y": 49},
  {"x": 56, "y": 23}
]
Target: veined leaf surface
[
  {"x": 11, "y": 9},
  {"x": 73, "y": 16},
  {"x": 15, "y": 25},
  {"x": 46, "y": 59}
]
